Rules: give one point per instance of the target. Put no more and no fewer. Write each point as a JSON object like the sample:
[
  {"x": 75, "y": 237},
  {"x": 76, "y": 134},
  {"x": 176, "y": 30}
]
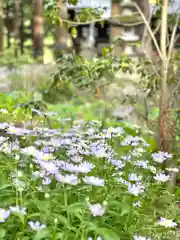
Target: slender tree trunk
[
  {"x": 22, "y": 30},
  {"x": 1, "y": 26},
  {"x": 7, "y": 26},
  {"x": 146, "y": 38},
  {"x": 16, "y": 25},
  {"x": 38, "y": 36},
  {"x": 164, "y": 101},
  {"x": 63, "y": 40}
]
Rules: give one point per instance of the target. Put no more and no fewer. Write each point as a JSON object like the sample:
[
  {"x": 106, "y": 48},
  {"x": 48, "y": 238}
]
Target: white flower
[
  {"x": 18, "y": 209},
  {"x": 137, "y": 204},
  {"x": 135, "y": 189},
  {"x": 67, "y": 179},
  {"x": 97, "y": 209},
  {"x": 160, "y": 157},
  {"x": 4, "y": 214},
  {"x": 142, "y": 164},
  {"x": 118, "y": 163},
  {"x": 161, "y": 177},
  {"x": 31, "y": 150},
  {"x": 76, "y": 159},
  {"x": 166, "y": 222},
  {"x": 2, "y": 110},
  {"x": 141, "y": 238},
  {"x": 36, "y": 225},
  {"x": 99, "y": 152},
  {"x": 81, "y": 168},
  {"x": 134, "y": 177},
  {"x": 93, "y": 181},
  {"x": 49, "y": 167}
]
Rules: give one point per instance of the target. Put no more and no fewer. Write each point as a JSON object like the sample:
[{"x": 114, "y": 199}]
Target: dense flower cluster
[{"x": 66, "y": 167}]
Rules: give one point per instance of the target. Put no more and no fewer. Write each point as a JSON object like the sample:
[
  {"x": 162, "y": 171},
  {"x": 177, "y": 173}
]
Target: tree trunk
[
  {"x": 38, "y": 36},
  {"x": 142, "y": 31},
  {"x": 22, "y": 30},
  {"x": 63, "y": 40},
  {"x": 16, "y": 25},
  {"x": 1, "y": 26},
  {"x": 7, "y": 26},
  {"x": 164, "y": 131}
]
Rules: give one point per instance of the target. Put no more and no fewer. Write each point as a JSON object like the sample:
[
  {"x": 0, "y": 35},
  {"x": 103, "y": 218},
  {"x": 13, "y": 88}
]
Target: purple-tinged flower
[
  {"x": 93, "y": 181},
  {"x": 97, "y": 209},
  {"x": 76, "y": 159},
  {"x": 142, "y": 164},
  {"x": 36, "y": 226},
  {"x": 118, "y": 163},
  {"x": 4, "y": 214},
  {"x": 49, "y": 167},
  {"x": 113, "y": 132},
  {"x": 46, "y": 181},
  {"x": 18, "y": 209},
  {"x": 161, "y": 177},
  {"x": 67, "y": 179},
  {"x": 135, "y": 189},
  {"x": 4, "y": 125},
  {"x": 18, "y": 131},
  {"x": 44, "y": 156},
  {"x": 99, "y": 151},
  {"x": 134, "y": 177},
  {"x": 160, "y": 157},
  {"x": 81, "y": 168},
  {"x": 126, "y": 158}
]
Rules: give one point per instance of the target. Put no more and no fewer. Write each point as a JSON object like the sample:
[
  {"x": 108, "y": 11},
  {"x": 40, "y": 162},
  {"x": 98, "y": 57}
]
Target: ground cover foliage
[{"x": 64, "y": 178}]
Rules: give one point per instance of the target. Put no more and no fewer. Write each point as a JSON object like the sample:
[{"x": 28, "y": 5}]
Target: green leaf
[
  {"x": 2, "y": 233},
  {"x": 75, "y": 207},
  {"x": 154, "y": 114},
  {"x": 74, "y": 32},
  {"x": 63, "y": 220},
  {"x": 108, "y": 234},
  {"x": 20, "y": 215},
  {"x": 42, "y": 234}
]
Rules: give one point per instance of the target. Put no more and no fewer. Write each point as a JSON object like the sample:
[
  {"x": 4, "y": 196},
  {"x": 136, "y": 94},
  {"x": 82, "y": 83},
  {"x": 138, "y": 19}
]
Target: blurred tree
[
  {"x": 1, "y": 26},
  {"x": 38, "y": 31},
  {"x": 63, "y": 40},
  {"x": 17, "y": 23}
]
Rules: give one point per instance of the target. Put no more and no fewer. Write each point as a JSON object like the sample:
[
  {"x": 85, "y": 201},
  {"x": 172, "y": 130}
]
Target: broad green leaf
[
  {"x": 42, "y": 234},
  {"x": 108, "y": 234},
  {"x": 75, "y": 207},
  {"x": 20, "y": 215},
  {"x": 2, "y": 233}
]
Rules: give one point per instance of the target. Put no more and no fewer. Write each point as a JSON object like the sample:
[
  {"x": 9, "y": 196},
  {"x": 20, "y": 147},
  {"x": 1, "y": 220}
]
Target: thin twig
[
  {"x": 172, "y": 41},
  {"x": 150, "y": 30},
  {"x": 109, "y": 19}
]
